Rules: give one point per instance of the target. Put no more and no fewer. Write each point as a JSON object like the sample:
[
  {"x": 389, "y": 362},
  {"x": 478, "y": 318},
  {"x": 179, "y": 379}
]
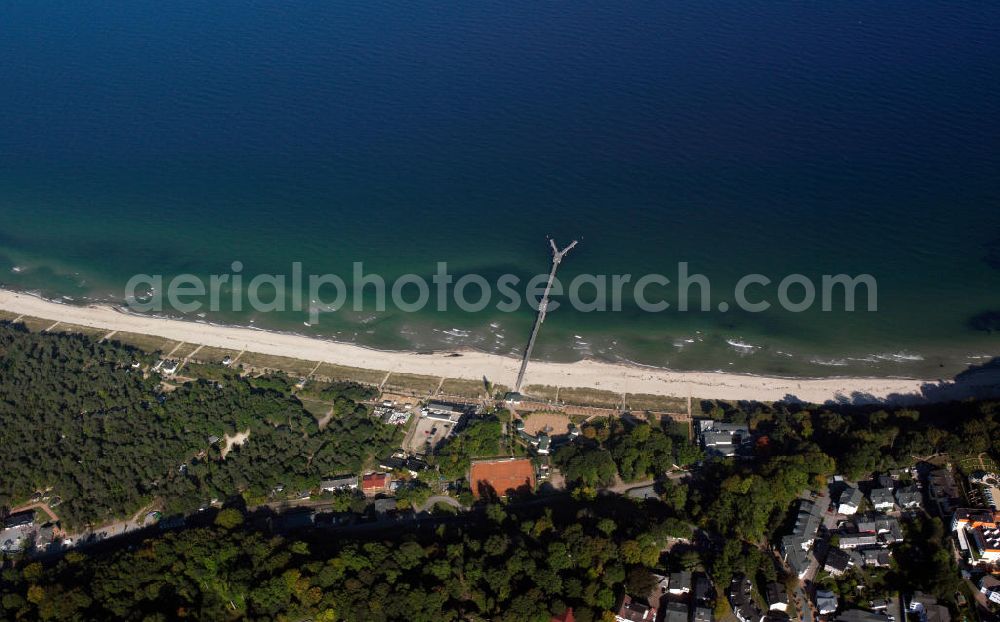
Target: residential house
[
  {"x": 943, "y": 491},
  {"x": 799, "y": 561},
  {"x": 20, "y": 519},
  {"x": 720, "y": 438},
  {"x": 927, "y": 609},
  {"x": 837, "y": 562},
  {"x": 826, "y": 602},
  {"x": 679, "y": 583},
  {"x": 375, "y": 483},
  {"x": 343, "y": 482},
  {"x": 777, "y": 597},
  {"x": 636, "y": 611},
  {"x": 882, "y": 499},
  {"x": 676, "y": 612},
  {"x": 876, "y": 558},
  {"x": 702, "y": 614},
  {"x": 741, "y": 601},
  {"x": 850, "y": 501},
  {"x": 854, "y": 541},
  {"x": 702, "y": 590},
  {"x": 795, "y": 545},
  {"x": 46, "y": 535},
  {"x": 989, "y": 585},
  {"x": 887, "y": 528},
  {"x": 909, "y": 498},
  {"x": 13, "y": 539}
]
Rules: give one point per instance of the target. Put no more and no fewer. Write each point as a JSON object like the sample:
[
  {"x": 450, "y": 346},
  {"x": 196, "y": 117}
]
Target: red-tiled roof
[
  {"x": 374, "y": 481},
  {"x": 566, "y": 616}
]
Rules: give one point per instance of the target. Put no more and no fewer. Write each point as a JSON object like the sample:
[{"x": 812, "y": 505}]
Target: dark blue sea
[{"x": 739, "y": 137}]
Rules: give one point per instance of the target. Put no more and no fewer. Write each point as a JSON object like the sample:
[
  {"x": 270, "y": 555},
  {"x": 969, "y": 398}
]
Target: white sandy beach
[{"x": 474, "y": 365}]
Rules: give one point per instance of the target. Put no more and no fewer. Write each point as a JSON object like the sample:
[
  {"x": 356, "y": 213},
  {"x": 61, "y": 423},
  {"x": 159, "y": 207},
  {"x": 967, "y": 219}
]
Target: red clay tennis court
[{"x": 502, "y": 475}]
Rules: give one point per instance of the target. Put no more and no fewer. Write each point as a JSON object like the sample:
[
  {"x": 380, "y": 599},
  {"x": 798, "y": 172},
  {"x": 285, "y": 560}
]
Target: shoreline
[{"x": 468, "y": 364}]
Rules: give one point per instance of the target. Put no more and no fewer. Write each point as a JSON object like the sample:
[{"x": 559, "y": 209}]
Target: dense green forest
[
  {"x": 635, "y": 451},
  {"x": 500, "y": 564},
  {"x": 78, "y": 420}
]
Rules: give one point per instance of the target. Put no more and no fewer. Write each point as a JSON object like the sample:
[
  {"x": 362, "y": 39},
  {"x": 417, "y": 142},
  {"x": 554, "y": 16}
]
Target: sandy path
[{"x": 473, "y": 365}]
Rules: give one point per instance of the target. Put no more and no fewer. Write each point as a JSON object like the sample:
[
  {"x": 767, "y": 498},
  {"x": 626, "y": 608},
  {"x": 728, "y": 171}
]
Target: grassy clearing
[
  {"x": 540, "y": 392},
  {"x": 316, "y": 408},
  {"x": 95, "y": 333},
  {"x": 465, "y": 388},
  {"x": 205, "y": 371},
  {"x": 659, "y": 403},
  {"x": 36, "y": 325},
  {"x": 590, "y": 397},
  {"x": 7, "y": 316},
  {"x": 340, "y": 372},
  {"x": 412, "y": 383},
  {"x": 292, "y": 367},
  {"x": 149, "y": 343}
]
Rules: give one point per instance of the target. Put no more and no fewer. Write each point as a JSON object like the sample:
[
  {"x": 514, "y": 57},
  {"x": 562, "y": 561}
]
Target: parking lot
[{"x": 428, "y": 434}]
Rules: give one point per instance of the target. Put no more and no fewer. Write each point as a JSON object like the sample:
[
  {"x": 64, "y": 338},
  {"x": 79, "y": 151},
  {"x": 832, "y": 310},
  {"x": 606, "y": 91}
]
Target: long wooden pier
[{"x": 557, "y": 256}]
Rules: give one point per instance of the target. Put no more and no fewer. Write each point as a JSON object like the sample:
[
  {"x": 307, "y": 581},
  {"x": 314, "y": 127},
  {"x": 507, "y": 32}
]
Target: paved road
[{"x": 803, "y": 604}]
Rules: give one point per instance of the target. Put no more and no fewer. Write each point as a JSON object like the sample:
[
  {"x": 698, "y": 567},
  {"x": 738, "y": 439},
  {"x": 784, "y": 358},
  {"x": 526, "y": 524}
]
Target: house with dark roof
[
  {"x": 679, "y": 583},
  {"x": 990, "y": 587},
  {"x": 943, "y": 490},
  {"x": 702, "y": 590},
  {"x": 20, "y": 519},
  {"x": 795, "y": 545},
  {"x": 342, "y": 482},
  {"x": 909, "y": 498},
  {"x": 676, "y": 612},
  {"x": 850, "y": 501},
  {"x": 777, "y": 597},
  {"x": 875, "y": 558},
  {"x": 740, "y": 599},
  {"x": 882, "y": 499},
  {"x": 702, "y": 614},
  {"x": 927, "y": 608},
  {"x": 837, "y": 562},
  {"x": 720, "y": 438},
  {"x": 826, "y": 602}
]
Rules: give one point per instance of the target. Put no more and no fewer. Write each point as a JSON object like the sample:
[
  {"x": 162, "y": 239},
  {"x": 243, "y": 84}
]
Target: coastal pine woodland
[{"x": 79, "y": 419}]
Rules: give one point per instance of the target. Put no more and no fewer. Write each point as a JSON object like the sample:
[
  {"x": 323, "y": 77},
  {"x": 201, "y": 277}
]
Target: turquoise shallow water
[{"x": 733, "y": 136}]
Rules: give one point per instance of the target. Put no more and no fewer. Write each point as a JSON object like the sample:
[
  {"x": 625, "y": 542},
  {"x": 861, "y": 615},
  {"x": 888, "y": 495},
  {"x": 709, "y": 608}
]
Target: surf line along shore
[{"x": 470, "y": 365}]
